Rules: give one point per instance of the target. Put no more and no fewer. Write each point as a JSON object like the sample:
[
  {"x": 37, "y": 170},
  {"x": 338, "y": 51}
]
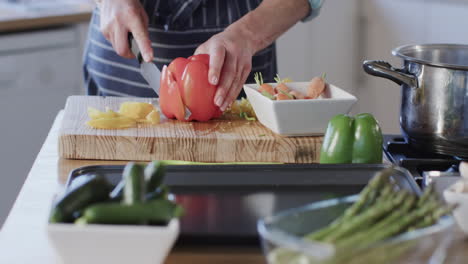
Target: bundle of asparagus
[{"x": 382, "y": 211}]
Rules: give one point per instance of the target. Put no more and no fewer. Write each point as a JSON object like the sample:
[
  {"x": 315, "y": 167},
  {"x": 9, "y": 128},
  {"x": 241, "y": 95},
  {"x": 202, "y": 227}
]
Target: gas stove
[{"x": 425, "y": 167}]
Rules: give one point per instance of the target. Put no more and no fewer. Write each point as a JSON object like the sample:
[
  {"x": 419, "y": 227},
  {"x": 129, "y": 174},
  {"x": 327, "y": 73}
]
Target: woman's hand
[
  {"x": 230, "y": 63},
  {"x": 118, "y": 18},
  {"x": 231, "y": 51}
]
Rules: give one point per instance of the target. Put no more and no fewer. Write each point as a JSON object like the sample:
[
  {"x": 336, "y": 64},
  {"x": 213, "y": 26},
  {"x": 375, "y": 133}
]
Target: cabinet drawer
[
  {"x": 40, "y": 39},
  {"x": 43, "y": 72}
]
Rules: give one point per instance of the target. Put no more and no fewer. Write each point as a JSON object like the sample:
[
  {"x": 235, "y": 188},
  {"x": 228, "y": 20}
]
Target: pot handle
[{"x": 386, "y": 70}]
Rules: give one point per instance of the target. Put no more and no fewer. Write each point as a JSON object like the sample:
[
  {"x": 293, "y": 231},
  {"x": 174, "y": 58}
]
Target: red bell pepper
[{"x": 184, "y": 83}]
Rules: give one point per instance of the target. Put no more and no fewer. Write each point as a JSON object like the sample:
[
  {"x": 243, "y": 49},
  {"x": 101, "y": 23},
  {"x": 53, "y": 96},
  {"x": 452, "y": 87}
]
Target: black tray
[{"x": 224, "y": 202}]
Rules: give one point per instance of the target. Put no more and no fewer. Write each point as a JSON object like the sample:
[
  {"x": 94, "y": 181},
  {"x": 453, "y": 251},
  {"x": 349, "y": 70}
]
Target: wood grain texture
[{"x": 225, "y": 140}]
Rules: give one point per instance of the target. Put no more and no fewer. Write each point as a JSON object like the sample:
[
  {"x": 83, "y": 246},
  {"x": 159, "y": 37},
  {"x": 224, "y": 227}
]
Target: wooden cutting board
[{"x": 229, "y": 139}]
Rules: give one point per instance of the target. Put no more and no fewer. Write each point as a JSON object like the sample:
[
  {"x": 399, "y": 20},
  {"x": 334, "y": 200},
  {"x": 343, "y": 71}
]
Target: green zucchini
[
  {"x": 95, "y": 189},
  {"x": 154, "y": 174},
  {"x": 135, "y": 186},
  {"x": 157, "y": 211}
]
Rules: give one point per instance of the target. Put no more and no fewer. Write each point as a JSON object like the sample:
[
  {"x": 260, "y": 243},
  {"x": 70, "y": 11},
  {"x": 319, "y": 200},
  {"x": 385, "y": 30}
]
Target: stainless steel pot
[{"x": 434, "y": 88}]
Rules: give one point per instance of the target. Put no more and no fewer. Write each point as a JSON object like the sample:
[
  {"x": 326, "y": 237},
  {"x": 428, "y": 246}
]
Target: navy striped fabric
[{"x": 177, "y": 28}]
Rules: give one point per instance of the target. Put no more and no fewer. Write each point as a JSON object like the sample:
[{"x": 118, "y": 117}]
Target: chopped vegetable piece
[
  {"x": 112, "y": 123},
  {"x": 281, "y": 85},
  {"x": 297, "y": 94},
  {"x": 287, "y": 94},
  {"x": 153, "y": 117},
  {"x": 268, "y": 95},
  {"x": 263, "y": 87},
  {"x": 282, "y": 96},
  {"x": 316, "y": 87},
  {"x": 279, "y": 80},
  {"x": 129, "y": 114},
  {"x": 241, "y": 106},
  {"x": 135, "y": 110},
  {"x": 94, "y": 113},
  {"x": 245, "y": 116},
  {"x": 282, "y": 88}
]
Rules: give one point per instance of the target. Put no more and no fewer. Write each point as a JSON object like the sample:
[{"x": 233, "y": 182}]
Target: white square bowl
[
  {"x": 308, "y": 117},
  {"x": 116, "y": 244}
]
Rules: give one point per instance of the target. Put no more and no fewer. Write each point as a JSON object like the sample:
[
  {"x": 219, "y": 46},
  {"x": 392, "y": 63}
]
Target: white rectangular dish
[
  {"x": 307, "y": 117},
  {"x": 116, "y": 244}
]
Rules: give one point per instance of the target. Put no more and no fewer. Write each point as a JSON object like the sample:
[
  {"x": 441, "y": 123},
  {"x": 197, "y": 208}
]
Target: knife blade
[{"x": 149, "y": 71}]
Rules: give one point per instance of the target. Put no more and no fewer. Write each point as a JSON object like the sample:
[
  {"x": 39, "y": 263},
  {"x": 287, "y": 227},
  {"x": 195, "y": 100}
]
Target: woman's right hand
[{"x": 118, "y": 18}]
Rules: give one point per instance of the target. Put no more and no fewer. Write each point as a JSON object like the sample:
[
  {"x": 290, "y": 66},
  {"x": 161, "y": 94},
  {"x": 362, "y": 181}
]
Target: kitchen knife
[{"x": 149, "y": 71}]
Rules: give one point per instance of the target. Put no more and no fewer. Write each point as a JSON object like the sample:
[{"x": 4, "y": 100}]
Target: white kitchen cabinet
[{"x": 38, "y": 71}]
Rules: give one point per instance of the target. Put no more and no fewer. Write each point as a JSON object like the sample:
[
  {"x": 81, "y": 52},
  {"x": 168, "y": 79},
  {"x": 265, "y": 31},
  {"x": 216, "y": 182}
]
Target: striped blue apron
[{"x": 177, "y": 28}]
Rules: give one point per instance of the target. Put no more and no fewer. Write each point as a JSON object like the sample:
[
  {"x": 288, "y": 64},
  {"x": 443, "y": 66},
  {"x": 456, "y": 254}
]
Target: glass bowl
[{"x": 282, "y": 239}]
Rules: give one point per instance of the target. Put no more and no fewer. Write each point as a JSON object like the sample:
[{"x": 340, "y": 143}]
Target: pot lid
[{"x": 441, "y": 55}]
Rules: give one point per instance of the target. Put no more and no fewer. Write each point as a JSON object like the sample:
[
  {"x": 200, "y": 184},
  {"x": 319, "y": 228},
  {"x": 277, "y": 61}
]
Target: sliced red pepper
[
  {"x": 194, "y": 91},
  {"x": 170, "y": 98}
]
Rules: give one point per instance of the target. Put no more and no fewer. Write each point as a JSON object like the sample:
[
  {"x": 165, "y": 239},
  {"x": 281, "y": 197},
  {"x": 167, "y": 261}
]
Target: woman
[{"x": 239, "y": 35}]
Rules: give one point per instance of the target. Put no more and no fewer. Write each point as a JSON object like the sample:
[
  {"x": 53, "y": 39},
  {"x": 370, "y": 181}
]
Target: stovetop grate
[{"x": 398, "y": 151}]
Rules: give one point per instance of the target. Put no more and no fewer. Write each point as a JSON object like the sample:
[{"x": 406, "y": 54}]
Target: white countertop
[{"x": 23, "y": 238}]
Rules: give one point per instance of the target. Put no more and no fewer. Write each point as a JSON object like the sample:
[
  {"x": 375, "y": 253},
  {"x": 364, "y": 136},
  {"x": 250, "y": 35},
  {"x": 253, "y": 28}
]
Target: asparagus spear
[
  {"x": 387, "y": 191},
  {"x": 367, "y": 218},
  {"x": 402, "y": 224},
  {"x": 433, "y": 218},
  {"x": 374, "y": 185},
  {"x": 371, "y": 191},
  {"x": 428, "y": 193},
  {"x": 354, "y": 240},
  {"x": 393, "y": 216}
]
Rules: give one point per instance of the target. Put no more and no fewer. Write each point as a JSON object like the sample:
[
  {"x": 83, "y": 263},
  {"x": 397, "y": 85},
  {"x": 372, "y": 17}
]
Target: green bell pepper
[{"x": 355, "y": 139}]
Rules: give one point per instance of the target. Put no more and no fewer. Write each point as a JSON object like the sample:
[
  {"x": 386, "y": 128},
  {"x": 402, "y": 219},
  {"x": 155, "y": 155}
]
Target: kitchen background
[{"x": 41, "y": 67}]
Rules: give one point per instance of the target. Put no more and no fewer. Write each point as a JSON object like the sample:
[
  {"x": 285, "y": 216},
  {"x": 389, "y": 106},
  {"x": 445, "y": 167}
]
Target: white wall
[
  {"x": 327, "y": 44},
  {"x": 388, "y": 24},
  {"x": 350, "y": 31}
]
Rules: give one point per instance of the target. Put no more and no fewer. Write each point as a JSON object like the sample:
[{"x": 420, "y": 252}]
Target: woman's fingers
[
  {"x": 120, "y": 43},
  {"x": 140, "y": 33},
  {"x": 228, "y": 73},
  {"x": 118, "y": 17},
  {"x": 232, "y": 93},
  {"x": 217, "y": 55},
  {"x": 243, "y": 73}
]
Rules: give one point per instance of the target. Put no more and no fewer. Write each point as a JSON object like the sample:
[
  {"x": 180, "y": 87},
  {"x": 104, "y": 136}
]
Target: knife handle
[{"x": 132, "y": 44}]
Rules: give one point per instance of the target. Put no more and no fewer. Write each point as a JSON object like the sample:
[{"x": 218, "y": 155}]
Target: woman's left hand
[{"x": 231, "y": 54}]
